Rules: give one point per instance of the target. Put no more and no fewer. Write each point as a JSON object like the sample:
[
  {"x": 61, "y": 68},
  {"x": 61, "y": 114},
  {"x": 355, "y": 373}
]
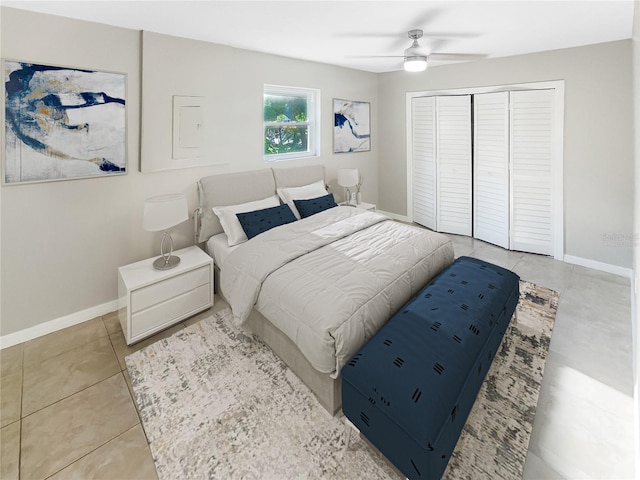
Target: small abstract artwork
[
  {"x": 62, "y": 123},
  {"x": 351, "y": 126}
]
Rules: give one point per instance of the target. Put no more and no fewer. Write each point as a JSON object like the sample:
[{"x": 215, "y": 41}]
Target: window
[{"x": 291, "y": 127}]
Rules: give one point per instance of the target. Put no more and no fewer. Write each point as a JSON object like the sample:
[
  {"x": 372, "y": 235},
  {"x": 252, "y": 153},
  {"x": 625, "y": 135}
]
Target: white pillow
[
  {"x": 313, "y": 190},
  {"x": 231, "y": 224}
]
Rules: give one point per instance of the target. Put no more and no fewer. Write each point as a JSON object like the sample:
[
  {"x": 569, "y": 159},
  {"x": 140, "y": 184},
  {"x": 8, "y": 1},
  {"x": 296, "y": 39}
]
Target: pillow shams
[
  {"x": 315, "y": 205},
  {"x": 313, "y": 190},
  {"x": 231, "y": 224},
  {"x": 259, "y": 221}
]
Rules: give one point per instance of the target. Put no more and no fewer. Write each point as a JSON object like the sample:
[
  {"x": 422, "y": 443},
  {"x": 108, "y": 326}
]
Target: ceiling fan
[{"x": 415, "y": 57}]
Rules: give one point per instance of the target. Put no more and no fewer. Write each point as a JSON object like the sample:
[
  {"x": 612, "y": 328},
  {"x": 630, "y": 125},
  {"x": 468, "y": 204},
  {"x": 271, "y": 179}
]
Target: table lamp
[
  {"x": 348, "y": 177},
  {"x": 160, "y": 214}
]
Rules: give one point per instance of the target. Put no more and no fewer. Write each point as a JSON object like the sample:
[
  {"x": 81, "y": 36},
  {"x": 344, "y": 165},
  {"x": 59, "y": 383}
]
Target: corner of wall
[{"x": 635, "y": 281}]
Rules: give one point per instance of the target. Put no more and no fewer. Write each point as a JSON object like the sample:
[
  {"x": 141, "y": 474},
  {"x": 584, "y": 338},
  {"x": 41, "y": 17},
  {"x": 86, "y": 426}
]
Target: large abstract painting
[
  {"x": 62, "y": 123},
  {"x": 351, "y": 127}
]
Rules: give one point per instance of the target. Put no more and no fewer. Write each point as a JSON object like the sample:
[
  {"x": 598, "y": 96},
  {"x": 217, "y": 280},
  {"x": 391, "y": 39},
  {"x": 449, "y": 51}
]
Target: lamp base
[{"x": 166, "y": 263}]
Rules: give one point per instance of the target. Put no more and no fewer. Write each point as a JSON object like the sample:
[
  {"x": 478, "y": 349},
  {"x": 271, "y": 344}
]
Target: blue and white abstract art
[
  {"x": 351, "y": 127},
  {"x": 62, "y": 123}
]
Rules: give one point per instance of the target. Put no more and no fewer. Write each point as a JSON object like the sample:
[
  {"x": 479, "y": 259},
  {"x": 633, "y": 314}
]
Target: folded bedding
[{"x": 331, "y": 280}]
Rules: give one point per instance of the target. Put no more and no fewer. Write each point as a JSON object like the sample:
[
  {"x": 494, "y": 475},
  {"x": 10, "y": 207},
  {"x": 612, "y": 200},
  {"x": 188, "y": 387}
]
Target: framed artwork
[
  {"x": 351, "y": 126},
  {"x": 62, "y": 123}
]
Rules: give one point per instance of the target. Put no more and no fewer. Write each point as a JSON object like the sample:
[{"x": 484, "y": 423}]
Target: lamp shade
[
  {"x": 348, "y": 177},
  {"x": 415, "y": 63},
  {"x": 164, "y": 211}
]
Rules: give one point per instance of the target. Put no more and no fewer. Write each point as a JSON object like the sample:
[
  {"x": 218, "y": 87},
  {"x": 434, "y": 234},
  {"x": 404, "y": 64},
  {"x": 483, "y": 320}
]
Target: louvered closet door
[
  {"x": 453, "y": 142},
  {"x": 424, "y": 161},
  {"x": 491, "y": 168},
  {"x": 531, "y": 171}
]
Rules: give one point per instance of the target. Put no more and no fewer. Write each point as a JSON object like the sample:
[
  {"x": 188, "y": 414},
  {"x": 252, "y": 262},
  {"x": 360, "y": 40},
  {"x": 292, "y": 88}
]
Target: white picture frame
[
  {"x": 62, "y": 123},
  {"x": 351, "y": 126}
]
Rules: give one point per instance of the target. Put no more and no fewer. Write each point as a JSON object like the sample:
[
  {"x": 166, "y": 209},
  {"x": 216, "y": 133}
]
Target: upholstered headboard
[
  {"x": 230, "y": 189},
  {"x": 297, "y": 176},
  {"x": 242, "y": 187}
]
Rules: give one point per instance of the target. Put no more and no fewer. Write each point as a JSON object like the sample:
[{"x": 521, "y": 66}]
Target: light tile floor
[
  {"x": 67, "y": 410},
  {"x": 584, "y": 422}
]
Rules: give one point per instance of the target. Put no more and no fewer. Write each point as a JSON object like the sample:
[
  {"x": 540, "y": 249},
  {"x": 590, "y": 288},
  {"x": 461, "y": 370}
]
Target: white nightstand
[
  {"x": 151, "y": 300},
  {"x": 362, "y": 205}
]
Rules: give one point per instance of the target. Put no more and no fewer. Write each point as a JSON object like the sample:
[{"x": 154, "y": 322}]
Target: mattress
[
  {"x": 218, "y": 248},
  {"x": 330, "y": 281}
]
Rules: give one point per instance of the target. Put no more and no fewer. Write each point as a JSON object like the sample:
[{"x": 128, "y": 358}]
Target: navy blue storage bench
[{"x": 411, "y": 387}]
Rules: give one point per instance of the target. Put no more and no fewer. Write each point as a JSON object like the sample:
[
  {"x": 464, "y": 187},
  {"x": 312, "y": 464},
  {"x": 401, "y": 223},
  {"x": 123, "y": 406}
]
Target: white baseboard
[
  {"x": 57, "y": 324},
  {"x": 604, "y": 267},
  {"x": 395, "y": 216}
]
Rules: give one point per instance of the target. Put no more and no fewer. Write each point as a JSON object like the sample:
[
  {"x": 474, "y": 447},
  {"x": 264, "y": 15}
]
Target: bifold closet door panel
[
  {"x": 491, "y": 168},
  {"x": 454, "y": 183},
  {"x": 531, "y": 151},
  {"x": 424, "y": 161}
]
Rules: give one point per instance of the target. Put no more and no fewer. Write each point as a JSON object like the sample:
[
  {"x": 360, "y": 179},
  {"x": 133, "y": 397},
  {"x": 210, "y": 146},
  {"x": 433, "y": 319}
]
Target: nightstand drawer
[
  {"x": 171, "y": 287},
  {"x": 168, "y": 312}
]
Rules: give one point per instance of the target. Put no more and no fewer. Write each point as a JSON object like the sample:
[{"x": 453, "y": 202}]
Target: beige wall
[
  {"x": 598, "y": 139},
  {"x": 62, "y": 242},
  {"x": 232, "y": 81},
  {"x": 636, "y": 237}
]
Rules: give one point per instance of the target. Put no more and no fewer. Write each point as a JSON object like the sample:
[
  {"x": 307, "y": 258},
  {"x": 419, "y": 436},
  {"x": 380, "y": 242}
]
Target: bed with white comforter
[
  {"x": 330, "y": 281},
  {"x": 314, "y": 290}
]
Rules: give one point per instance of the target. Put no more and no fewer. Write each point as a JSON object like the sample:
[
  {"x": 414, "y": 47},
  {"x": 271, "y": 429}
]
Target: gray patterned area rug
[{"x": 218, "y": 404}]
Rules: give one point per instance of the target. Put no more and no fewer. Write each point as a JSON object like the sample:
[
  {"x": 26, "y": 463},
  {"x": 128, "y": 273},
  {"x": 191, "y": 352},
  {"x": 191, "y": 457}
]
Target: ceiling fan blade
[
  {"x": 403, "y": 39},
  {"x": 374, "y": 56},
  {"x": 456, "y": 57},
  {"x": 439, "y": 57},
  {"x": 447, "y": 35}
]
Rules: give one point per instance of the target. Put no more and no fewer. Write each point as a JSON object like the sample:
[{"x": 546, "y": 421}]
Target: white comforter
[{"x": 330, "y": 281}]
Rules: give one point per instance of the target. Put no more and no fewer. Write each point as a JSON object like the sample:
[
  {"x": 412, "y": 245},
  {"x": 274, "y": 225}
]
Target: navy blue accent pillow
[
  {"x": 309, "y": 207},
  {"x": 259, "y": 221}
]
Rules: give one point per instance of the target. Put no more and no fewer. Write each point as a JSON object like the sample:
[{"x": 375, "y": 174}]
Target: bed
[{"x": 317, "y": 288}]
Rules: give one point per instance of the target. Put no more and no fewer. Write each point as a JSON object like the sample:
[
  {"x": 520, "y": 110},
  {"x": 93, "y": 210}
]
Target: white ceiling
[{"x": 334, "y": 31}]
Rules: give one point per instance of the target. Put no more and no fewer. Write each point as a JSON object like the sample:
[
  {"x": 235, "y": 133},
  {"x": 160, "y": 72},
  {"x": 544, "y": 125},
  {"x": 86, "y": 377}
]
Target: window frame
[{"x": 313, "y": 121}]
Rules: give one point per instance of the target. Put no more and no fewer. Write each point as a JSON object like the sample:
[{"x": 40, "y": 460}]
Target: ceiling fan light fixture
[
  {"x": 417, "y": 63},
  {"x": 413, "y": 60}
]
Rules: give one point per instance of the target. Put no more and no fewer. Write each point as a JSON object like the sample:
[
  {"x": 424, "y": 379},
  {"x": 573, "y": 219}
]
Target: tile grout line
[
  {"x": 92, "y": 451},
  {"x": 71, "y": 395},
  {"x": 116, "y": 436},
  {"x": 20, "y": 417},
  {"x": 40, "y": 362},
  {"x": 122, "y": 370},
  {"x": 113, "y": 349},
  {"x": 66, "y": 350}
]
